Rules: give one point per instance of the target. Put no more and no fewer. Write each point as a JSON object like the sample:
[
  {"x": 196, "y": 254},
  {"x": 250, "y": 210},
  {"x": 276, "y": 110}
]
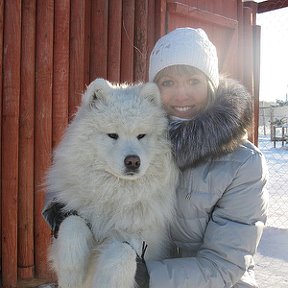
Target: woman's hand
[{"x": 142, "y": 277}]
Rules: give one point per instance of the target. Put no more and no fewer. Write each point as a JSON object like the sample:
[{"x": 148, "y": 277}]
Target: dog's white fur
[{"x": 123, "y": 208}]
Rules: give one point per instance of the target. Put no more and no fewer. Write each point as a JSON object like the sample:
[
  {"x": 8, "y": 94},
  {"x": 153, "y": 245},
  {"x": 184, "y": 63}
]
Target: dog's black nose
[{"x": 132, "y": 162}]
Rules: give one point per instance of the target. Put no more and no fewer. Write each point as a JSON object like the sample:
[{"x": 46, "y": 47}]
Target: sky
[{"x": 274, "y": 55}]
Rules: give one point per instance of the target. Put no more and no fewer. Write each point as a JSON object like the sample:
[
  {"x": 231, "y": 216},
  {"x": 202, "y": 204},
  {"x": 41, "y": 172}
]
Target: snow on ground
[{"x": 272, "y": 256}]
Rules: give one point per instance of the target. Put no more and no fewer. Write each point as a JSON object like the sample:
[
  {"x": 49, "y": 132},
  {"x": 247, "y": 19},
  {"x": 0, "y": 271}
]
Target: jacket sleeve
[
  {"x": 51, "y": 209},
  {"x": 230, "y": 239}
]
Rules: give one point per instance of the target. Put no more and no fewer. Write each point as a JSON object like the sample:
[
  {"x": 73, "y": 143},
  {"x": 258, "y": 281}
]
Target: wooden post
[
  {"x": 264, "y": 117},
  {"x": 43, "y": 126},
  {"x": 256, "y": 57},
  {"x": 253, "y": 6},
  {"x": 151, "y": 32},
  {"x": 271, "y": 125},
  {"x": 160, "y": 18},
  {"x": 1, "y": 97},
  {"x": 127, "y": 41},
  {"x": 241, "y": 45},
  {"x": 248, "y": 59},
  {"x": 99, "y": 39},
  {"x": 10, "y": 140},
  {"x": 140, "y": 51},
  {"x": 26, "y": 144},
  {"x": 61, "y": 69},
  {"x": 114, "y": 40},
  {"x": 79, "y": 52}
]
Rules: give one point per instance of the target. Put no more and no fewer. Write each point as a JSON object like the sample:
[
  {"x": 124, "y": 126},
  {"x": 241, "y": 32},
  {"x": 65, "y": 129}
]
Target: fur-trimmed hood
[{"x": 216, "y": 131}]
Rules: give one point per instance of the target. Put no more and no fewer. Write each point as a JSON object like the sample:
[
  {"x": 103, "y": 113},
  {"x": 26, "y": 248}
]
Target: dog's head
[{"x": 123, "y": 126}]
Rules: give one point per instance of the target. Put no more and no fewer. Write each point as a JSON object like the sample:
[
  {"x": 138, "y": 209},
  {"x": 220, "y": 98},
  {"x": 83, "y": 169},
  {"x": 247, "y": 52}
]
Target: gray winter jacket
[{"x": 221, "y": 198}]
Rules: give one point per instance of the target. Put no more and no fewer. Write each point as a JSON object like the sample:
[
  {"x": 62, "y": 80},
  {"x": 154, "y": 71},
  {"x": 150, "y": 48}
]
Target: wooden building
[{"x": 50, "y": 51}]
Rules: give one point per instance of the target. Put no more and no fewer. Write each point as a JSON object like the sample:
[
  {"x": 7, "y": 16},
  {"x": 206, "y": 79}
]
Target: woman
[{"x": 221, "y": 199}]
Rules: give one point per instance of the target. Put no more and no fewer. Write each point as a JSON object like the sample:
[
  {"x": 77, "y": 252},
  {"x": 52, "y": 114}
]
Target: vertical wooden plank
[
  {"x": 230, "y": 64},
  {"x": 79, "y": 52},
  {"x": 43, "y": 125},
  {"x": 248, "y": 59},
  {"x": 60, "y": 69},
  {"x": 10, "y": 114},
  {"x": 140, "y": 52},
  {"x": 240, "y": 40},
  {"x": 170, "y": 19},
  {"x": 231, "y": 9},
  {"x": 211, "y": 30},
  {"x": 1, "y": 96},
  {"x": 253, "y": 6},
  {"x": 99, "y": 39},
  {"x": 228, "y": 39},
  {"x": 114, "y": 40},
  {"x": 151, "y": 27},
  {"x": 257, "y": 53},
  {"x": 127, "y": 41},
  {"x": 160, "y": 18},
  {"x": 26, "y": 143},
  {"x": 205, "y": 5},
  {"x": 219, "y": 36},
  {"x": 252, "y": 60},
  {"x": 218, "y": 6},
  {"x": 248, "y": 50}
]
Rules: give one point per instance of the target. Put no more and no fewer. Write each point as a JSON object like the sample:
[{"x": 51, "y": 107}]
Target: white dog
[{"x": 114, "y": 167}]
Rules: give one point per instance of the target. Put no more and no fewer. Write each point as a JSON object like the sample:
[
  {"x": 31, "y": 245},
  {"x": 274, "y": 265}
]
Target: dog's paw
[
  {"x": 116, "y": 266},
  {"x": 70, "y": 252},
  {"x": 71, "y": 278}
]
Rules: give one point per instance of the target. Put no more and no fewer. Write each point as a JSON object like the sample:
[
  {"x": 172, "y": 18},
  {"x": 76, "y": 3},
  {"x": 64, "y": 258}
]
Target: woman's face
[{"x": 183, "y": 95}]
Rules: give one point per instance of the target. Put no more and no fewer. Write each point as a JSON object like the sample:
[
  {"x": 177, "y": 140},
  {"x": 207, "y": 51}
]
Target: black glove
[
  {"x": 142, "y": 277},
  {"x": 54, "y": 215}
]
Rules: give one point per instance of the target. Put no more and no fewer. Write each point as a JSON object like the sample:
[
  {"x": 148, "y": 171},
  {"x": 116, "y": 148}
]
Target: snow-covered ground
[{"x": 272, "y": 256}]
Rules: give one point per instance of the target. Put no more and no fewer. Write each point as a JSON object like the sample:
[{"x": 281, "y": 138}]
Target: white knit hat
[{"x": 185, "y": 46}]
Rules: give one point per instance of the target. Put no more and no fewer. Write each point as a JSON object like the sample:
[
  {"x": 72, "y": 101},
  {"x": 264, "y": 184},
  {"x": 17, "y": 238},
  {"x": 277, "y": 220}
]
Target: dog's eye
[
  {"x": 140, "y": 136},
  {"x": 113, "y": 136}
]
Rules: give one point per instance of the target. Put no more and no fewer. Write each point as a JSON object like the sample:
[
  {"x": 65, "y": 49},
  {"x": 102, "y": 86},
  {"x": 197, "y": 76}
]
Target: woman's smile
[{"x": 183, "y": 111}]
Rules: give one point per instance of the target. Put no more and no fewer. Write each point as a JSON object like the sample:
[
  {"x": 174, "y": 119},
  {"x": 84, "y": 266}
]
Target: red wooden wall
[{"x": 50, "y": 50}]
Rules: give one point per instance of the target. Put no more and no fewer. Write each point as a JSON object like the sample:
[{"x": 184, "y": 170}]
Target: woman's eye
[
  {"x": 194, "y": 81},
  {"x": 167, "y": 83},
  {"x": 140, "y": 136},
  {"x": 113, "y": 136}
]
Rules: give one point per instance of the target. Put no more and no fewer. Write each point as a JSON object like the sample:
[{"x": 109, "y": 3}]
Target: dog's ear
[
  {"x": 151, "y": 92},
  {"x": 96, "y": 92}
]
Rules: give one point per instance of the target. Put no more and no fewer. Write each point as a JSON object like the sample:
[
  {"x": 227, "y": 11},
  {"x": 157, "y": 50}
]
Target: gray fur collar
[{"x": 216, "y": 131}]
